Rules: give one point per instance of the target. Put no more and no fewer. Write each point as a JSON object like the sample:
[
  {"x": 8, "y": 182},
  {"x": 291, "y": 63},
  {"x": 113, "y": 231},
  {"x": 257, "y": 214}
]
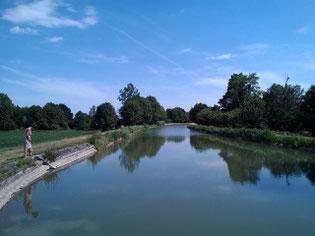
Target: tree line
[
  {"x": 135, "y": 110},
  {"x": 281, "y": 107}
]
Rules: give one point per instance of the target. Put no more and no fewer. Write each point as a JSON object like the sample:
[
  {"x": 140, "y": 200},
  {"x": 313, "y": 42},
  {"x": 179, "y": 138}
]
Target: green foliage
[
  {"x": 67, "y": 112},
  {"x": 81, "y": 121},
  {"x": 219, "y": 118},
  {"x": 15, "y": 138},
  {"x": 240, "y": 87},
  {"x": 50, "y": 155},
  {"x": 136, "y": 111},
  {"x": 195, "y": 110},
  {"x": 158, "y": 112},
  {"x": 127, "y": 93},
  {"x": 259, "y": 135},
  {"x": 283, "y": 107},
  {"x": 6, "y": 113},
  {"x": 253, "y": 112},
  {"x": 177, "y": 115},
  {"x": 105, "y": 117},
  {"x": 308, "y": 109},
  {"x": 102, "y": 140},
  {"x": 55, "y": 117},
  {"x": 24, "y": 163}
]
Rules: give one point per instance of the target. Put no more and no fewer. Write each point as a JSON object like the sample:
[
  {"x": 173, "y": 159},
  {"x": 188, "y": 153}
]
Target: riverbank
[
  {"x": 26, "y": 172},
  {"x": 261, "y": 136}
]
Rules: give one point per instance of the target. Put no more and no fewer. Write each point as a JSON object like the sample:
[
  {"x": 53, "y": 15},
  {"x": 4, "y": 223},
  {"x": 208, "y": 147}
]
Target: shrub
[{"x": 50, "y": 155}]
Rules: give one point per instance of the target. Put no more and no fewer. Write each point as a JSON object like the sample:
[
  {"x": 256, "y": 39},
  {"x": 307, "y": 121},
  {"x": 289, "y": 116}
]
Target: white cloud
[
  {"x": 44, "y": 13},
  {"x": 254, "y": 46},
  {"x": 91, "y": 58},
  {"x": 304, "y": 30},
  {"x": 184, "y": 51},
  {"x": 219, "y": 82},
  {"x": 18, "y": 30},
  {"x": 55, "y": 39},
  {"x": 81, "y": 95},
  {"x": 90, "y": 11},
  {"x": 221, "y": 57}
]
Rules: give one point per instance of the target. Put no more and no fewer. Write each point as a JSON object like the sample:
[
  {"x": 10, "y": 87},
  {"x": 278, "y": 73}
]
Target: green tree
[
  {"x": 195, "y": 110},
  {"x": 158, "y": 112},
  {"x": 55, "y": 117},
  {"x": 253, "y": 112},
  {"x": 308, "y": 108},
  {"x": 81, "y": 121},
  {"x": 136, "y": 111},
  {"x": 127, "y": 93},
  {"x": 37, "y": 115},
  {"x": 283, "y": 107},
  {"x": 105, "y": 117},
  {"x": 6, "y": 113},
  {"x": 219, "y": 118},
  {"x": 240, "y": 87},
  {"x": 177, "y": 115},
  {"x": 67, "y": 111}
]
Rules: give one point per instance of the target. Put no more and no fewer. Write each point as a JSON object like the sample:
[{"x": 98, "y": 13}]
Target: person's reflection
[{"x": 28, "y": 202}]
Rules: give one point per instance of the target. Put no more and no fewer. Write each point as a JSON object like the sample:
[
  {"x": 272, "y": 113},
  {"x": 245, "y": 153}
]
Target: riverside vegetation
[{"x": 281, "y": 108}]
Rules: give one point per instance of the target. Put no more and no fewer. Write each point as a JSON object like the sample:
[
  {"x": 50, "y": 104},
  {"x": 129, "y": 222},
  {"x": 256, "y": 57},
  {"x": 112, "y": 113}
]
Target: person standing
[{"x": 27, "y": 141}]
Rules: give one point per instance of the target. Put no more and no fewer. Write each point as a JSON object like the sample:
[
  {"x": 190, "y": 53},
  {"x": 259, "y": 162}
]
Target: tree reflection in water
[
  {"x": 140, "y": 146},
  {"x": 176, "y": 139},
  {"x": 246, "y": 159}
]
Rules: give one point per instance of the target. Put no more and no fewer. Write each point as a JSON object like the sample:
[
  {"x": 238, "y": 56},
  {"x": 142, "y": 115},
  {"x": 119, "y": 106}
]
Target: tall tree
[
  {"x": 55, "y": 117},
  {"x": 105, "y": 117},
  {"x": 136, "y": 110},
  {"x": 195, "y": 110},
  {"x": 127, "y": 93},
  {"x": 177, "y": 115},
  {"x": 283, "y": 107},
  {"x": 308, "y": 108},
  {"x": 6, "y": 113},
  {"x": 240, "y": 86},
  {"x": 158, "y": 112},
  {"x": 81, "y": 121},
  {"x": 68, "y": 113}
]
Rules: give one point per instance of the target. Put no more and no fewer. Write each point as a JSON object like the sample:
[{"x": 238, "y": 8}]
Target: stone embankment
[{"x": 65, "y": 158}]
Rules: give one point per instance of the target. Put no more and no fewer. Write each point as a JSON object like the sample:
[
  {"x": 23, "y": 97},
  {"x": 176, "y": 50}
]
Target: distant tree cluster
[
  {"x": 135, "y": 110},
  {"x": 281, "y": 107}
]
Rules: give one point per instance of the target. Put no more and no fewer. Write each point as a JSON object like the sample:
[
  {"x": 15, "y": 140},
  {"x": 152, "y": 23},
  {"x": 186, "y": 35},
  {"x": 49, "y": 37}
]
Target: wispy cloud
[
  {"x": 220, "y": 57},
  {"x": 92, "y": 58},
  {"x": 254, "y": 46},
  {"x": 142, "y": 45},
  {"x": 44, "y": 13},
  {"x": 215, "y": 81},
  {"x": 81, "y": 92},
  {"x": 19, "y": 30},
  {"x": 304, "y": 30},
  {"x": 55, "y": 39},
  {"x": 184, "y": 51}
]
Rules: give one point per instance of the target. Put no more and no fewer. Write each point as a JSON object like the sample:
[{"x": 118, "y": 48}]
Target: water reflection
[
  {"x": 142, "y": 145},
  {"x": 245, "y": 159},
  {"x": 28, "y": 202},
  {"x": 176, "y": 139}
]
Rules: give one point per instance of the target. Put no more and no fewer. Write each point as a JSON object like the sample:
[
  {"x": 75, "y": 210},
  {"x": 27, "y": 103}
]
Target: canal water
[{"x": 173, "y": 181}]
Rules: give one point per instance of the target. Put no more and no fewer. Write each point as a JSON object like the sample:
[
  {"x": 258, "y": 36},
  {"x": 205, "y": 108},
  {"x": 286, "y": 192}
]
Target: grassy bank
[
  {"x": 100, "y": 140},
  {"x": 258, "y": 135},
  {"x": 10, "y": 139}
]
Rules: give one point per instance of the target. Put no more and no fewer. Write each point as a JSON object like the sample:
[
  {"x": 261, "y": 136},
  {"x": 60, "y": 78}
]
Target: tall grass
[
  {"x": 260, "y": 135},
  {"x": 102, "y": 140}
]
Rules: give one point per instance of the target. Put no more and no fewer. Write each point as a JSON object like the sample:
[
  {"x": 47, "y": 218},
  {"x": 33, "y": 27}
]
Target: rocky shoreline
[{"x": 20, "y": 180}]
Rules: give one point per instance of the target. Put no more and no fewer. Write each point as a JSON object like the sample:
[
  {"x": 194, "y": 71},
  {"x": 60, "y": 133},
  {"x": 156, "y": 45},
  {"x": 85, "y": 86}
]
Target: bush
[{"x": 50, "y": 155}]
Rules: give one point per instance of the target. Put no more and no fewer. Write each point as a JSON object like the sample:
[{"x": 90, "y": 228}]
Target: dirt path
[{"x": 10, "y": 153}]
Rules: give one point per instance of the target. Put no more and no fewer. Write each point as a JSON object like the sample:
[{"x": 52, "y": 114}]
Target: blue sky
[{"x": 82, "y": 52}]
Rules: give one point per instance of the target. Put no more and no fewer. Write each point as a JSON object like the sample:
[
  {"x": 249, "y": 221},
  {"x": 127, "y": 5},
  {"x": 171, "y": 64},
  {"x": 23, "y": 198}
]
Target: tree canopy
[
  {"x": 105, "y": 117},
  {"x": 127, "y": 93}
]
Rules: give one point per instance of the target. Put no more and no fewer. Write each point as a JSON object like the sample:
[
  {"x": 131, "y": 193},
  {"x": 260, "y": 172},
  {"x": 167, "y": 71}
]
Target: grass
[
  {"x": 102, "y": 140},
  {"x": 260, "y": 135},
  {"x": 10, "y": 139}
]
